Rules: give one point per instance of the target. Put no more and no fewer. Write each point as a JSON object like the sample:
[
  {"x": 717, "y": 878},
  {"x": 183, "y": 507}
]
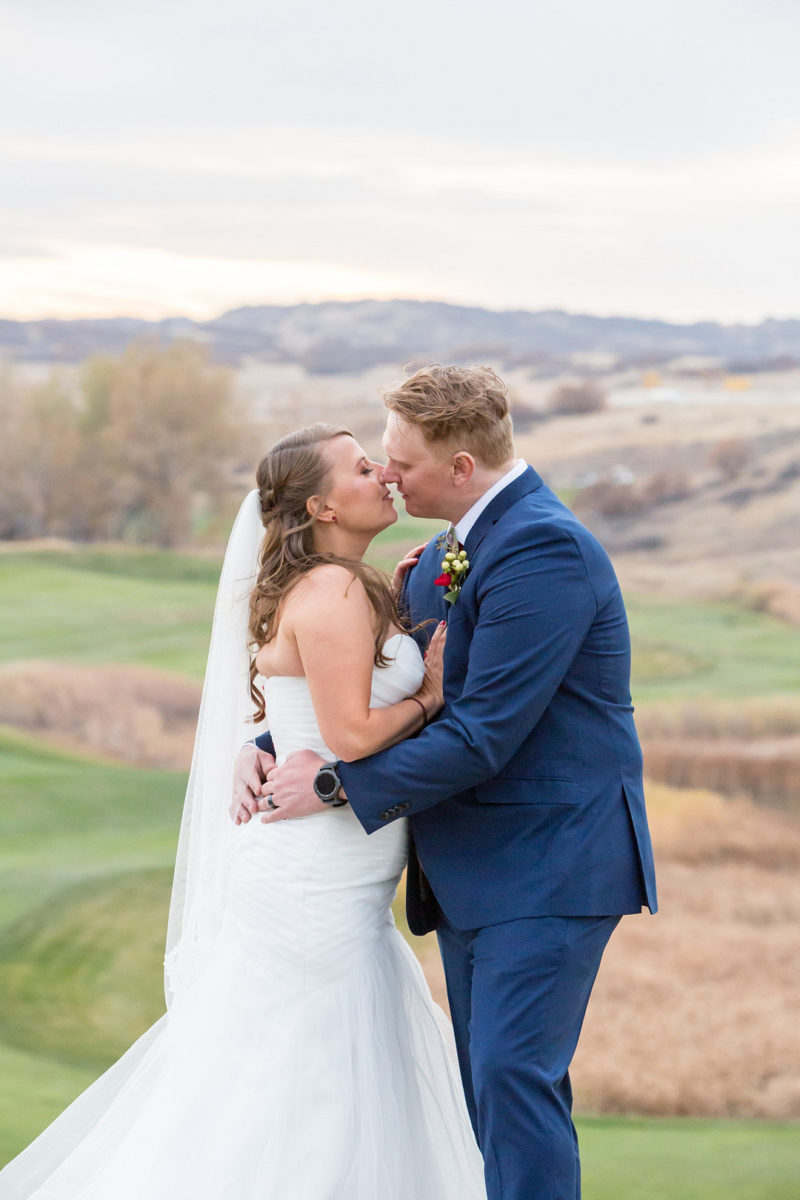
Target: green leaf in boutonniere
[{"x": 455, "y": 566}]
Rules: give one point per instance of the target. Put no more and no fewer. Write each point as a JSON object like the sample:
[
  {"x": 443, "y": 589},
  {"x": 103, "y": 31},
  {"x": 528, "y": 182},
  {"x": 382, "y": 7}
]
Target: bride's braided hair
[{"x": 292, "y": 471}]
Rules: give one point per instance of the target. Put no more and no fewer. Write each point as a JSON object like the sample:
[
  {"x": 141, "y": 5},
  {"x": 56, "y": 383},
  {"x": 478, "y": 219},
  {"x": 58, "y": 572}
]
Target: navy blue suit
[
  {"x": 526, "y": 809},
  {"x": 527, "y": 815}
]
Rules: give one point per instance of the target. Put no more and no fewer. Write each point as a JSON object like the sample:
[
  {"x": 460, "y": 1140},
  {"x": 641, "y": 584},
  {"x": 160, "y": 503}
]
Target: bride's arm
[{"x": 329, "y": 617}]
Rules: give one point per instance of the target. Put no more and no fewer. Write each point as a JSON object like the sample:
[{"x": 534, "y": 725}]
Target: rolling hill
[{"x": 338, "y": 337}]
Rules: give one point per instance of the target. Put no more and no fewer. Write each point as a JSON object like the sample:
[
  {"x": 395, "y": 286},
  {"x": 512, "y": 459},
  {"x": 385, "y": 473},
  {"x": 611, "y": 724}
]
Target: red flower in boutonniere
[{"x": 455, "y": 566}]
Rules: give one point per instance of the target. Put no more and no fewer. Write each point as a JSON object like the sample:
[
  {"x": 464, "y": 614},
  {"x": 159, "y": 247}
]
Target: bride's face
[{"x": 357, "y": 499}]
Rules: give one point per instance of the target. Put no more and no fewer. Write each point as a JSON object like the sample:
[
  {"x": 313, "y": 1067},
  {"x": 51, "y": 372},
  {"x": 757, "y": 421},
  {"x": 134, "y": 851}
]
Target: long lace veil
[{"x": 197, "y": 907}]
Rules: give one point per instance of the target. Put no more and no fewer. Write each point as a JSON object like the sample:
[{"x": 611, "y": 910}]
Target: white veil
[
  {"x": 197, "y": 907},
  {"x": 198, "y": 895}
]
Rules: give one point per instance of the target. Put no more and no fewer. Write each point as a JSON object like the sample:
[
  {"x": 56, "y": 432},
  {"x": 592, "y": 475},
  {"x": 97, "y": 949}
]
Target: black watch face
[{"x": 327, "y": 783}]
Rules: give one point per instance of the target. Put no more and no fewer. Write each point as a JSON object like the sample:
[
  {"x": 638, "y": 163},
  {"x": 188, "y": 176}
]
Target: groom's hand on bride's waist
[
  {"x": 289, "y": 789},
  {"x": 249, "y": 773}
]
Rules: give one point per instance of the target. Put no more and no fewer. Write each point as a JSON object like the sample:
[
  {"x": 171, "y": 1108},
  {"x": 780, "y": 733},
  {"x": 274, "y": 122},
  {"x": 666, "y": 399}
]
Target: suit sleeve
[
  {"x": 536, "y": 604},
  {"x": 264, "y": 742}
]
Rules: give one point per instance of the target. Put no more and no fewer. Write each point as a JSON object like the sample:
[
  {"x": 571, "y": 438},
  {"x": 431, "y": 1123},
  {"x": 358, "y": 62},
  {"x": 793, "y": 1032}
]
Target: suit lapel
[
  {"x": 527, "y": 482},
  {"x": 421, "y": 596}
]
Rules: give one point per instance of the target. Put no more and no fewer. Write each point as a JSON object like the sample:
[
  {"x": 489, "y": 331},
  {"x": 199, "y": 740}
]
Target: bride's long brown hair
[{"x": 292, "y": 471}]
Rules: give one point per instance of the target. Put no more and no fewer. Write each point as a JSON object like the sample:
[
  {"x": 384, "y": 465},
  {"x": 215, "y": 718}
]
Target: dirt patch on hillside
[{"x": 714, "y": 532}]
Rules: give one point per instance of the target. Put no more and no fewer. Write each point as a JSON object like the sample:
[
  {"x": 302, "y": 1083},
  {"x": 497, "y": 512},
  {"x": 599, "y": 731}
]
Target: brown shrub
[
  {"x": 729, "y": 456},
  {"x": 610, "y": 499},
  {"x": 135, "y": 714},
  {"x": 764, "y": 717},
  {"x": 778, "y": 597},
  {"x": 622, "y": 498},
  {"x": 663, "y": 487},
  {"x": 143, "y": 441},
  {"x": 523, "y": 415},
  {"x": 575, "y": 398},
  {"x": 767, "y": 770},
  {"x": 751, "y": 749}
]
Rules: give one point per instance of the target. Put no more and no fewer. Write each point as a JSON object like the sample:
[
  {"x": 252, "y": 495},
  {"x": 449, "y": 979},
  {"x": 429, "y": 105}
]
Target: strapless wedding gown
[{"x": 308, "y": 1061}]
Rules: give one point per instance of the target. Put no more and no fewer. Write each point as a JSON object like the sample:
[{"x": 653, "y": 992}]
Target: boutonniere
[{"x": 455, "y": 566}]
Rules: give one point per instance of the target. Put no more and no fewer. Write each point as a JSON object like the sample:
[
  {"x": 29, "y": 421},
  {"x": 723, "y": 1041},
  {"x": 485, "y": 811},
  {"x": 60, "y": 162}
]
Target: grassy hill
[
  {"x": 86, "y": 849},
  {"x": 685, "y": 649},
  {"x": 86, "y": 853},
  {"x": 128, "y": 605},
  {"x": 134, "y": 606},
  {"x": 81, "y": 942},
  {"x": 66, "y": 819},
  {"x": 107, "y": 606}
]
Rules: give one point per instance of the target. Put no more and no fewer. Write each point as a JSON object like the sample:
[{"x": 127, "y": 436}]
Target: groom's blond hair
[{"x": 458, "y": 408}]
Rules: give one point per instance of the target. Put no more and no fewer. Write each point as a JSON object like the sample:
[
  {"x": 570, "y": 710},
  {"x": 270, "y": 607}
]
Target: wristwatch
[{"x": 328, "y": 785}]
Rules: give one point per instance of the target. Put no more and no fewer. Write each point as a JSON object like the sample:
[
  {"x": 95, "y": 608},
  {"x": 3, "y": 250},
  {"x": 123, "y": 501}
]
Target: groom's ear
[{"x": 462, "y": 467}]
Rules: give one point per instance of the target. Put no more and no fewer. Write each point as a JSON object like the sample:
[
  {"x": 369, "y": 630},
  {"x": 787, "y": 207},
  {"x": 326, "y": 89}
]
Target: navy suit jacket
[{"x": 524, "y": 796}]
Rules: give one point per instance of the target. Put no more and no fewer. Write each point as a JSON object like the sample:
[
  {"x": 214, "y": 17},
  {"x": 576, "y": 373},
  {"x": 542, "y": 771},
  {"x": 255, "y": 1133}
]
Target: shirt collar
[{"x": 470, "y": 517}]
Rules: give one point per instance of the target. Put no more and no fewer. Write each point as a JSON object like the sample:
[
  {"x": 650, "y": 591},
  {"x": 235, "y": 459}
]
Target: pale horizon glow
[
  {"x": 605, "y": 166},
  {"x": 98, "y": 281}
]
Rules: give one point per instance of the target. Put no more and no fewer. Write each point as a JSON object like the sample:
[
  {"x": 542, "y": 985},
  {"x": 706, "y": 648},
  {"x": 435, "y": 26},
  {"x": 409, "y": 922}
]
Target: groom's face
[{"x": 422, "y": 476}]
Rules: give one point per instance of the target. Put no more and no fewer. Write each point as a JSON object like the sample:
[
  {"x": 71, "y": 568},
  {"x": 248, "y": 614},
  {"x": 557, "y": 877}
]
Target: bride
[{"x": 301, "y": 1056}]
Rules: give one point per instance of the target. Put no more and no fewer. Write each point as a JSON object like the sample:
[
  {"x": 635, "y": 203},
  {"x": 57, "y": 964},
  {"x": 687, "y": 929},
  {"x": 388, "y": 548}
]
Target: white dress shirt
[{"x": 470, "y": 517}]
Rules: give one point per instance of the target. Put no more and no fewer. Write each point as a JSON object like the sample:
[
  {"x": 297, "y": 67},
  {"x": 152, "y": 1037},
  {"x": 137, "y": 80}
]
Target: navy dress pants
[{"x": 518, "y": 993}]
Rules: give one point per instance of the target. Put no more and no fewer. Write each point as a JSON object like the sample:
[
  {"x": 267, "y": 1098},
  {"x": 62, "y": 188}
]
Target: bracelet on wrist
[{"x": 417, "y": 700}]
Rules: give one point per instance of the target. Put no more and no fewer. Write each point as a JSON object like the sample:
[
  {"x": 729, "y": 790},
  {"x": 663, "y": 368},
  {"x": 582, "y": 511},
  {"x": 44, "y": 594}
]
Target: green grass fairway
[
  {"x": 81, "y": 976},
  {"x": 87, "y": 848},
  {"x": 148, "y": 607},
  {"x": 406, "y": 532},
  {"x": 64, "y": 819},
  {"x": 86, "y": 855},
  {"x": 33, "y": 1090},
  {"x": 682, "y": 650},
  {"x": 99, "y": 607},
  {"x": 127, "y": 605},
  {"x": 671, "y": 1159}
]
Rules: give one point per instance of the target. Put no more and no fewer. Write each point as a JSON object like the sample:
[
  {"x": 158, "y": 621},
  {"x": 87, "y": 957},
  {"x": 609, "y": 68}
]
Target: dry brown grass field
[
  {"x": 695, "y": 1010},
  {"x": 749, "y": 747},
  {"x": 711, "y": 533},
  {"x": 130, "y": 713},
  {"x": 710, "y": 506},
  {"x": 731, "y": 529}
]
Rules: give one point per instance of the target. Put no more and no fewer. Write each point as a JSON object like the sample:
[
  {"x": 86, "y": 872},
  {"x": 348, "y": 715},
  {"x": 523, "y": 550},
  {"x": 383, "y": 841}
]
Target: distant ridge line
[{"x": 338, "y": 336}]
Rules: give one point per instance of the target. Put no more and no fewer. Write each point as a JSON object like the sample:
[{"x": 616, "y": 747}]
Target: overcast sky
[{"x": 633, "y": 157}]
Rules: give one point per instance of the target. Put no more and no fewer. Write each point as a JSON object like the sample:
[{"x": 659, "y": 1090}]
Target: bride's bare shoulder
[
  {"x": 328, "y": 577},
  {"x": 328, "y": 584}
]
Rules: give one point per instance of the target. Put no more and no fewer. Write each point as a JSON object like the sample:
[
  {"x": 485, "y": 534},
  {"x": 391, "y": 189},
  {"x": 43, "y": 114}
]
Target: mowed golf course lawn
[{"x": 86, "y": 850}]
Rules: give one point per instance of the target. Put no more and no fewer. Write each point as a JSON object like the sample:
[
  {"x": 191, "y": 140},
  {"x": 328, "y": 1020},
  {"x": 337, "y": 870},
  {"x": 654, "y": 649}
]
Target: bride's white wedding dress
[{"x": 308, "y": 1061}]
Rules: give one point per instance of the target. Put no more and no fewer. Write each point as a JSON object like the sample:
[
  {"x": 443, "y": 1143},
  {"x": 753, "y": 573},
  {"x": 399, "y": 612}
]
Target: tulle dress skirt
[{"x": 307, "y": 1062}]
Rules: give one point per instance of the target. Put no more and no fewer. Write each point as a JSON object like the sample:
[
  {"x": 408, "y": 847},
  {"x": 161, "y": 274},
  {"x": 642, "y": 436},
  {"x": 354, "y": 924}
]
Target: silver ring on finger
[{"x": 271, "y": 803}]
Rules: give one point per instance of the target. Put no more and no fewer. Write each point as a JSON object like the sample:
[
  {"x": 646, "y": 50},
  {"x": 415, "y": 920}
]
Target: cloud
[
  {"x": 616, "y": 157},
  {"x": 597, "y": 80}
]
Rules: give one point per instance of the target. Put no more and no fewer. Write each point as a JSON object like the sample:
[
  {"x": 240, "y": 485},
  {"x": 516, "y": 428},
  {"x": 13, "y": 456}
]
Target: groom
[{"x": 524, "y": 798}]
